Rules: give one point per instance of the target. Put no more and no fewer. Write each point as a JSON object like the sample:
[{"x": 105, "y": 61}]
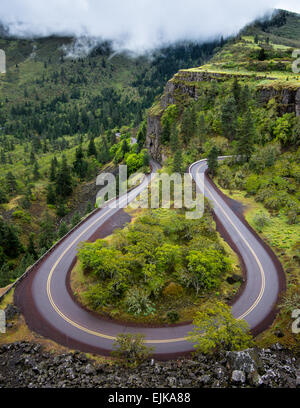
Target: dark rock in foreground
[{"x": 27, "y": 365}]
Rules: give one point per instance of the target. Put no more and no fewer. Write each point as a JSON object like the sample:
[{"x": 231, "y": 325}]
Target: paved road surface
[{"x": 50, "y": 310}]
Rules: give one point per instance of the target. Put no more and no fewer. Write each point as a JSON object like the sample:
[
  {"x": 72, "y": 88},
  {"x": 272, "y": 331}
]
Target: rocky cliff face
[
  {"x": 183, "y": 86},
  {"x": 28, "y": 366},
  {"x": 288, "y": 99},
  {"x": 153, "y": 136}
]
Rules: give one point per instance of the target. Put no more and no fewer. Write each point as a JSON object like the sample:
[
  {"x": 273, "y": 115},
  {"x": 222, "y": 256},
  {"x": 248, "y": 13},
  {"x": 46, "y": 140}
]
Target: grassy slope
[
  {"x": 283, "y": 239},
  {"x": 278, "y": 42}
]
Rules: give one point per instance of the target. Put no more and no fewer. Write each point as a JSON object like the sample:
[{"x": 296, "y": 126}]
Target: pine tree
[
  {"x": 188, "y": 124},
  {"x": 32, "y": 157},
  {"x": 9, "y": 239},
  {"x": 236, "y": 91},
  {"x": 53, "y": 169},
  {"x": 166, "y": 132},
  {"x": 92, "y": 151},
  {"x": 201, "y": 128},
  {"x": 36, "y": 173},
  {"x": 80, "y": 166},
  {"x": 3, "y": 198},
  {"x": 177, "y": 162},
  {"x": 89, "y": 208},
  {"x": 174, "y": 138},
  {"x": 245, "y": 98},
  {"x": 212, "y": 160},
  {"x": 47, "y": 232},
  {"x": 63, "y": 230},
  {"x": 262, "y": 55},
  {"x": 63, "y": 183},
  {"x": 3, "y": 157},
  {"x": 125, "y": 147},
  {"x": 11, "y": 183},
  {"x": 31, "y": 247},
  {"x": 75, "y": 219},
  {"x": 51, "y": 196},
  {"x": 229, "y": 118},
  {"x": 246, "y": 133},
  {"x": 61, "y": 210}
]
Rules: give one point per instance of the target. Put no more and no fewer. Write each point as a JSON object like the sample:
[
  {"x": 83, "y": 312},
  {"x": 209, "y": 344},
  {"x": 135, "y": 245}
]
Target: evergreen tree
[
  {"x": 36, "y": 173},
  {"x": 89, "y": 208},
  {"x": 236, "y": 91},
  {"x": 125, "y": 147},
  {"x": 75, "y": 219},
  {"x": 9, "y": 239},
  {"x": 61, "y": 210},
  {"x": 245, "y": 98},
  {"x": 47, "y": 232},
  {"x": 92, "y": 151},
  {"x": 166, "y": 132},
  {"x": 188, "y": 124},
  {"x": 5, "y": 275},
  {"x": 51, "y": 196},
  {"x": 11, "y": 183},
  {"x": 63, "y": 230},
  {"x": 262, "y": 55},
  {"x": 80, "y": 166},
  {"x": 174, "y": 138},
  {"x": 246, "y": 134},
  {"x": 53, "y": 169},
  {"x": 229, "y": 118},
  {"x": 201, "y": 128},
  {"x": 63, "y": 183},
  {"x": 177, "y": 162},
  {"x": 31, "y": 247},
  {"x": 3, "y": 197},
  {"x": 3, "y": 157},
  {"x": 212, "y": 160}
]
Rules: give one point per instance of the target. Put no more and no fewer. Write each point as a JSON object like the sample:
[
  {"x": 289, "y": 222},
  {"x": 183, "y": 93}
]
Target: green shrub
[
  {"x": 137, "y": 302},
  {"x": 97, "y": 296},
  {"x": 216, "y": 328},
  {"x": 252, "y": 184},
  {"x": 130, "y": 349},
  {"x": 261, "y": 220},
  {"x": 21, "y": 215},
  {"x": 173, "y": 290},
  {"x": 173, "y": 316}
]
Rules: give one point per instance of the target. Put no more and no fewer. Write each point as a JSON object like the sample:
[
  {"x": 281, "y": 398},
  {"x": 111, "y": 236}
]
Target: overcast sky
[{"x": 135, "y": 24}]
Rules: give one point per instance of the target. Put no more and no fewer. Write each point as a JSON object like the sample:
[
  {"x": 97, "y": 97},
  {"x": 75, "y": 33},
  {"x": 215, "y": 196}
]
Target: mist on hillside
[{"x": 134, "y": 25}]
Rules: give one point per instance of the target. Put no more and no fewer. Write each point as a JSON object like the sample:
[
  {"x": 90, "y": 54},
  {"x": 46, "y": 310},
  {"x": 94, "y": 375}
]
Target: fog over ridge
[{"x": 136, "y": 25}]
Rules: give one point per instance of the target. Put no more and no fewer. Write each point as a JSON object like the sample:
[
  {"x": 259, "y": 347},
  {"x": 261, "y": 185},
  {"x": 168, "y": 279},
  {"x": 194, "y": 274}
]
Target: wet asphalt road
[{"x": 48, "y": 298}]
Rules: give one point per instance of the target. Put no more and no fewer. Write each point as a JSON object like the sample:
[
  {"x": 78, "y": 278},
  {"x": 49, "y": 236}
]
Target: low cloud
[{"x": 136, "y": 25}]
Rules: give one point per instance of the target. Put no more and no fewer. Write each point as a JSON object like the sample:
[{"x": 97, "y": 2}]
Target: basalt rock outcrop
[
  {"x": 183, "y": 87},
  {"x": 26, "y": 365}
]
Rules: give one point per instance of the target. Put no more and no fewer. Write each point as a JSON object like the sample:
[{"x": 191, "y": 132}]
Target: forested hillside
[{"x": 63, "y": 117}]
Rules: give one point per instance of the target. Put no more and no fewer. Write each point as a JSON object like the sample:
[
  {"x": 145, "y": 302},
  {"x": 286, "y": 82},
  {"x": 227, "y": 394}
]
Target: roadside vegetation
[
  {"x": 232, "y": 116},
  {"x": 63, "y": 119}
]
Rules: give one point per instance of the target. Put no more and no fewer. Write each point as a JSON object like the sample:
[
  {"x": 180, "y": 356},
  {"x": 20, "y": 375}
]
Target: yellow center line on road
[
  {"x": 261, "y": 269},
  {"x": 70, "y": 321},
  {"x": 108, "y": 337}
]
